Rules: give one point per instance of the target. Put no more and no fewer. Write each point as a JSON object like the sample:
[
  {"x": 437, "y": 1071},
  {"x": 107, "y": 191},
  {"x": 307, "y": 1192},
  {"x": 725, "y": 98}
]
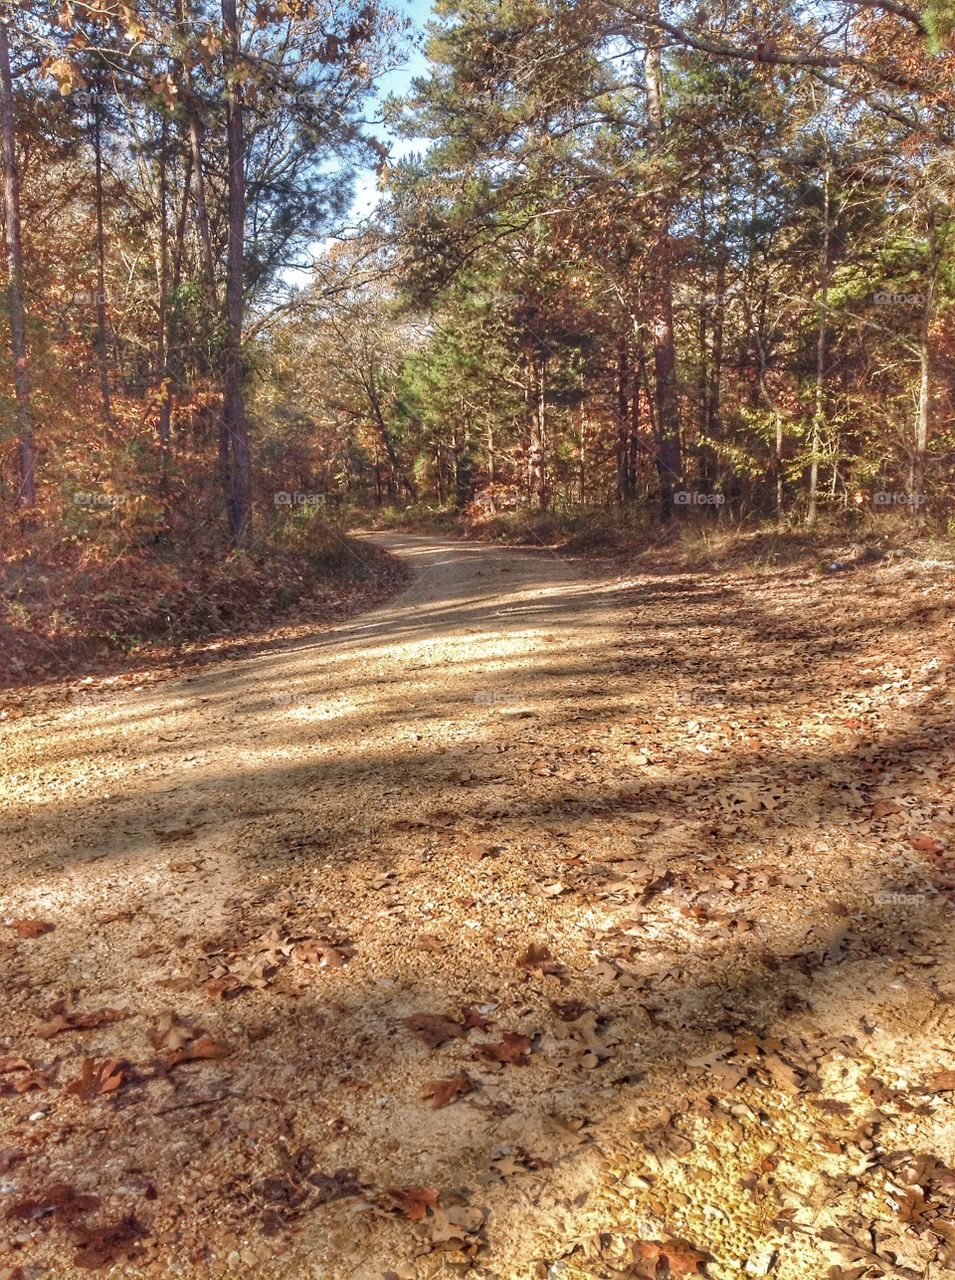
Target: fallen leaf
[
  {"x": 30, "y": 928},
  {"x": 78, "y": 1021},
  {"x": 98, "y": 1079},
  {"x": 443, "y": 1092},
  {"x": 454, "y": 1228},
  {"x": 514, "y": 1049},
  {"x": 224, "y": 987},
  {"x": 13, "y": 1064},
  {"x": 538, "y": 960},
  {"x": 430, "y": 942},
  {"x": 927, "y": 844},
  {"x": 433, "y": 1029},
  {"x": 202, "y": 1049},
  {"x": 323, "y": 954},
  {"x": 33, "y": 1079},
  {"x": 883, "y": 808},
  {"x": 413, "y": 1202},
  {"x": 941, "y": 1082},
  {"x": 472, "y": 1019},
  {"x": 677, "y": 1257}
]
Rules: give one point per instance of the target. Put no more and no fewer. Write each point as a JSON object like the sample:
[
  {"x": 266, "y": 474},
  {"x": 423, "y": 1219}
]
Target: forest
[
  {"x": 626, "y": 263},
  {"x": 477, "y": 635}
]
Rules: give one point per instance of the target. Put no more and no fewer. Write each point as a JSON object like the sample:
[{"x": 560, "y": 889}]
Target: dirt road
[{"x": 647, "y": 881}]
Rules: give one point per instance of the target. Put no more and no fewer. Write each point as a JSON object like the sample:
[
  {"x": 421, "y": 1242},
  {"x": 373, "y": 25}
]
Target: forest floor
[{"x": 550, "y": 920}]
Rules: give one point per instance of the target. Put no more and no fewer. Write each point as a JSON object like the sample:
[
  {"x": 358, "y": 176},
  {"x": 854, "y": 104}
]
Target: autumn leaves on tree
[{"x": 628, "y": 257}]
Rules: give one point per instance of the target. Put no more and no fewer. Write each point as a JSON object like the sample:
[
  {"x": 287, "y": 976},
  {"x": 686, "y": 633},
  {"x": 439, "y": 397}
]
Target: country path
[{"x": 619, "y": 869}]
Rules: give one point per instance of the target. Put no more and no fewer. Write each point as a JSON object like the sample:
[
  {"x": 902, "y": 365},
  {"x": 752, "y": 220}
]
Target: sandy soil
[{"x": 665, "y": 860}]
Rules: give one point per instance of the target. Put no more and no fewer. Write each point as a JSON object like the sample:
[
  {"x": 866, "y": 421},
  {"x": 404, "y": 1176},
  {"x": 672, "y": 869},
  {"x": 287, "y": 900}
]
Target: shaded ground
[{"x": 667, "y": 861}]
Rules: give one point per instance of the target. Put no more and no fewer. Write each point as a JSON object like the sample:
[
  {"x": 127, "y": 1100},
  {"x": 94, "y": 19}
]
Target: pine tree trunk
[
  {"x": 18, "y": 332},
  {"x": 624, "y": 490},
  {"x": 669, "y": 463},
  {"x": 168, "y": 400},
  {"x": 923, "y": 413},
  {"x": 161, "y": 352},
  {"x": 239, "y": 493},
  {"x": 102, "y": 341},
  {"x": 819, "y": 410}
]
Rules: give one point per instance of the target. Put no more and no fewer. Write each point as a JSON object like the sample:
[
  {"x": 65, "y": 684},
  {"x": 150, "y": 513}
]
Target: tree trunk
[
  {"x": 624, "y": 490},
  {"x": 396, "y": 476},
  {"x": 202, "y": 212},
  {"x": 102, "y": 340},
  {"x": 168, "y": 400},
  {"x": 714, "y": 387},
  {"x": 537, "y": 454},
  {"x": 923, "y": 414},
  {"x": 669, "y": 464},
  {"x": 161, "y": 351},
  {"x": 819, "y": 409},
  {"x": 239, "y": 493},
  {"x": 18, "y": 331}
]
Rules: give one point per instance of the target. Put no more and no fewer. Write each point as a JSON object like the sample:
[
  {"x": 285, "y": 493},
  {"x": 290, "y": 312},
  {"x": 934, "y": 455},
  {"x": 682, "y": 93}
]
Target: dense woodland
[{"x": 657, "y": 258}]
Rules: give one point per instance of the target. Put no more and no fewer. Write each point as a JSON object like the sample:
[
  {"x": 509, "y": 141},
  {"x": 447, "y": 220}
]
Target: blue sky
[{"x": 396, "y": 82}]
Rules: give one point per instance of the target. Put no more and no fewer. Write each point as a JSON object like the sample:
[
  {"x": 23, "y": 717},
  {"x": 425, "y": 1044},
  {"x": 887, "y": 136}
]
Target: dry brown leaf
[
  {"x": 170, "y": 1033},
  {"x": 678, "y": 1259},
  {"x": 443, "y": 1092},
  {"x": 30, "y": 928},
  {"x": 514, "y": 1049},
  {"x": 472, "y": 1019},
  {"x": 13, "y": 1064},
  {"x": 940, "y": 1082},
  {"x": 202, "y": 1049},
  {"x": 538, "y": 960},
  {"x": 225, "y": 987},
  {"x": 33, "y": 1079},
  {"x": 883, "y": 808},
  {"x": 433, "y": 1029},
  {"x": 927, "y": 844},
  {"x": 454, "y": 1228},
  {"x": 475, "y": 852},
  {"x": 430, "y": 942},
  {"x": 413, "y": 1202},
  {"x": 323, "y": 954},
  {"x": 79, "y": 1021},
  {"x": 98, "y": 1079}
]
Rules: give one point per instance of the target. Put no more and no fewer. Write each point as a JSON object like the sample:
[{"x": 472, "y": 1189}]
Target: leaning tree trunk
[
  {"x": 18, "y": 331},
  {"x": 239, "y": 492}
]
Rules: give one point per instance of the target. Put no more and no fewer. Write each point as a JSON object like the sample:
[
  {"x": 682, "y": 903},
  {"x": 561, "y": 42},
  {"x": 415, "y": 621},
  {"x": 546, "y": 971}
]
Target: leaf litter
[{"x": 735, "y": 1046}]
